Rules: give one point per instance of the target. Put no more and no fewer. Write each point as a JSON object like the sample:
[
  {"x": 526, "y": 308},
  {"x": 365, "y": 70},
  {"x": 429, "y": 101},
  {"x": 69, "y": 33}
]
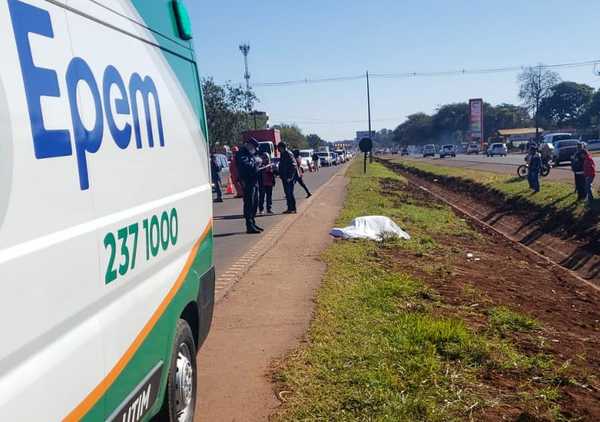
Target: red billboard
[{"x": 476, "y": 119}]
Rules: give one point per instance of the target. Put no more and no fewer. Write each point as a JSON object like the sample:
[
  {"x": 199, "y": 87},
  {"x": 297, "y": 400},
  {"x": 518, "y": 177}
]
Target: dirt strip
[
  {"x": 554, "y": 238},
  {"x": 475, "y": 274},
  {"x": 264, "y": 316}
]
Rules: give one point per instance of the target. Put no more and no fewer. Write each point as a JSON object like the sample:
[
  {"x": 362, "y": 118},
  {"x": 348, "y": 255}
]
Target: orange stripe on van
[{"x": 92, "y": 398}]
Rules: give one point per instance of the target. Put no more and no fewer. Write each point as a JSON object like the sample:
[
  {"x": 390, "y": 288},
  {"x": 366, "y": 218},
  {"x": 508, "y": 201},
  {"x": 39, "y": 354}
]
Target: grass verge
[
  {"x": 557, "y": 195},
  {"x": 384, "y": 346}
]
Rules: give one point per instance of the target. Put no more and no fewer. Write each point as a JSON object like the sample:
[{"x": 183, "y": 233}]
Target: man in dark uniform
[
  {"x": 248, "y": 165},
  {"x": 288, "y": 171},
  {"x": 577, "y": 167}
]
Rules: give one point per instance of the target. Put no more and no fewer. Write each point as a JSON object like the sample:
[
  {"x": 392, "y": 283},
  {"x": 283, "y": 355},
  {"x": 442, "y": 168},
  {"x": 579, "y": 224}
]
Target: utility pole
[
  {"x": 245, "y": 49},
  {"x": 369, "y": 112}
]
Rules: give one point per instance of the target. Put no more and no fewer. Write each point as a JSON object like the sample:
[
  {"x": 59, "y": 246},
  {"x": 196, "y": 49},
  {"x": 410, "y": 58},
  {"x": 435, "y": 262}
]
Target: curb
[{"x": 229, "y": 278}]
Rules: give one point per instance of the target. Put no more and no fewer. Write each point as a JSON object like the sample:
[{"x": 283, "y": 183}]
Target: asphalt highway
[{"x": 231, "y": 240}]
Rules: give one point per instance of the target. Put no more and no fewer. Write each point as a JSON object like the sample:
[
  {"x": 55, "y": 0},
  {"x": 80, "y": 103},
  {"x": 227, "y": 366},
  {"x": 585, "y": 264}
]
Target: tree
[
  {"x": 591, "y": 117},
  {"x": 416, "y": 130},
  {"x": 567, "y": 104},
  {"x": 315, "y": 141},
  {"x": 226, "y": 111},
  {"x": 450, "y": 122},
  {"x": 504, "y": 116},
  {"x": 535, "y": 85},
  {"x": 292, "y": 136}
]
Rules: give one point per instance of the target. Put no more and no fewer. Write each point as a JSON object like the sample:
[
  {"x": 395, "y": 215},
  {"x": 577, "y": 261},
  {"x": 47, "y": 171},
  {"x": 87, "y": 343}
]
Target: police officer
[
  {"x": 248, "y": 165},
  {"x": 288, "y": 171}
]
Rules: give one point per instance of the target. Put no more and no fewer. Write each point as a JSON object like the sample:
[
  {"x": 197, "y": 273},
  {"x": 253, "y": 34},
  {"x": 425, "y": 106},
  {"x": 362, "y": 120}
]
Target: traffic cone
[{"x": 229, "y": 190}]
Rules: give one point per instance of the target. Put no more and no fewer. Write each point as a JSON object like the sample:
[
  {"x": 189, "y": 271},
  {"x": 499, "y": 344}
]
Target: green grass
[
  {"x": 504, "y": 319},
  {"x": 555, "y": 194},
  {"x": 378, "y": 349}
]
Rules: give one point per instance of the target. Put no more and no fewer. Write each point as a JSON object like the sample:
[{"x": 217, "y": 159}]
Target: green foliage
[
  {"x": 292, "y": 135},
  {"x": 315, "y": 141},
  {"x": 226, "y": 111},
  {"x": 567, "y": 104},
  {"x": 450, "y": 123},
  {"x": 506, "y": 320}
]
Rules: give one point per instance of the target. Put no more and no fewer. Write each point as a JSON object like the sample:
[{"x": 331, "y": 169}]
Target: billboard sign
[{"x": 476, "y": 119}]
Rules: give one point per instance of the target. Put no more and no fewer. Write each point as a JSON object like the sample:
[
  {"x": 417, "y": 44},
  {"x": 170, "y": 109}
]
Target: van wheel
[{"x": 181, "y": 383}]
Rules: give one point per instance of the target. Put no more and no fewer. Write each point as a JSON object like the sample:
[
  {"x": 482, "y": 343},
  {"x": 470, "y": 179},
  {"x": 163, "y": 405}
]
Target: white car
[
  {"x": 306, "y": 159},
  {"x": 497, "y": 149},
  {"x": 429, "y": 151},
  {"x": 326, "y": 159},
  {"x": 473, "y": 148},
  {"x": 106, "y": 250},
  {"x": 447, "y": 151}
]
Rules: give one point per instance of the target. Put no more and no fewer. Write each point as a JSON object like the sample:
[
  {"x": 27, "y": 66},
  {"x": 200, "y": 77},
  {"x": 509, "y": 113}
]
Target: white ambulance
[{"x": 106, "y": 268}]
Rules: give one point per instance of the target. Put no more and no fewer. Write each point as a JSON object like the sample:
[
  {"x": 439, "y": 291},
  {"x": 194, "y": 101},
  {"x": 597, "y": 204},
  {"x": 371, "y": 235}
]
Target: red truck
[{"x": 268, "y": 140}]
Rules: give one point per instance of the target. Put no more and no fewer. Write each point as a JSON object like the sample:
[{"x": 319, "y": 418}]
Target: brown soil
[
  {"x": 574, "y": 245},
  {"x": 502, "y": 273}
]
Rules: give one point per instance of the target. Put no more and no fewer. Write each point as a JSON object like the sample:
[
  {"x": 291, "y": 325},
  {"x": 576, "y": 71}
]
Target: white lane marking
[{"x": 43, "y": 242}]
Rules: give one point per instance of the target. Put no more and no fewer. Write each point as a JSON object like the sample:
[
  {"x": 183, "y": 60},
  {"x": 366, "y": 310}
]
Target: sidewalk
[{"x": 265, "y": 315}]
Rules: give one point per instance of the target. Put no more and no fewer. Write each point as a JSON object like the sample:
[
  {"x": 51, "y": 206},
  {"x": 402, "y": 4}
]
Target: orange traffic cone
[{"x": 229, "y": 190}]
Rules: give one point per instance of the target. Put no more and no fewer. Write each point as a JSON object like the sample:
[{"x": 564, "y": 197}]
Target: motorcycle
[{"x": 523, "y": 170}]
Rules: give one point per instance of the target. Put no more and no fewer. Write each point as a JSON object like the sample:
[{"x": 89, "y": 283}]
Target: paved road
[{"x": 231, "y": 240}]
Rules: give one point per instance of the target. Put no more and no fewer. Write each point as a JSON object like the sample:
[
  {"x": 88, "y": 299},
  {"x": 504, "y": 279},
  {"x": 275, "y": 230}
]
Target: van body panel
[{"x": 107, "y": 239}]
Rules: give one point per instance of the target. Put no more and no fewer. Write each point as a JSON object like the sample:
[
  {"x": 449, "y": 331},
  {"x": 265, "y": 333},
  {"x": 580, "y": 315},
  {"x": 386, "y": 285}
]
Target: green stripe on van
[
  {"x": 159, "y": 15},
  {"x": 157, "y": 346}
]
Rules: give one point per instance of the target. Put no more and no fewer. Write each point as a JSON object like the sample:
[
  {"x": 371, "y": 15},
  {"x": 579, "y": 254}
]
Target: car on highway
[
  {"x": 553, "y": 138},
  {"x": 342, "y": 154},
  {"x": 404, "y": 152},
  {"x": 473, "y": 148},
  {"x": 564, "y": 150},
  {"x": 497, "y": 148},
  {"x": 106, "y": 214},
  {"x": 429, "y": 151},
  {"x": 447, "y": 150},
  {"x": 325, "y": 159},
  {"x": 306, "y": 159}
]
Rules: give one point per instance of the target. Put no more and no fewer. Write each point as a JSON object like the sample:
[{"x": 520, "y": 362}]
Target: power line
[{"x": 406, "y": 75}]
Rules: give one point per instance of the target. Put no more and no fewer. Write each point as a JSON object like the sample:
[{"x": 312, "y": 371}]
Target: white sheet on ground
[{"x": 373, "y": 227}]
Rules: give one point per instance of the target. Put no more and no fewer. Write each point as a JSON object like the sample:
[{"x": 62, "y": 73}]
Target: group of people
[
  {"x": 582, "y": 164},
  {"x": 254, "y": 177}
]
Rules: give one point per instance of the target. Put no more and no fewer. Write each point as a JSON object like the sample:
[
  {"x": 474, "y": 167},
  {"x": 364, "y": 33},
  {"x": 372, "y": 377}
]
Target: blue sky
[{"x": 298, "y": 39}]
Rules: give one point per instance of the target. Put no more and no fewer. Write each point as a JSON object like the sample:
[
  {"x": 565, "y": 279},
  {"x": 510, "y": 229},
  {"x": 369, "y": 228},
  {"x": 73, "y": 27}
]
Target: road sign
[{"x": 366, "y": 145}]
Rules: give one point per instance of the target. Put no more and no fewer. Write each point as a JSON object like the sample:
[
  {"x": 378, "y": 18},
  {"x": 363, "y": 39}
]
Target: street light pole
[{"x": 369, "y": 113}]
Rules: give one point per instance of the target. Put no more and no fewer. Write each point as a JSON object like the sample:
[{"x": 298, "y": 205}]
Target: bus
[{"x": 106, "y": 247}]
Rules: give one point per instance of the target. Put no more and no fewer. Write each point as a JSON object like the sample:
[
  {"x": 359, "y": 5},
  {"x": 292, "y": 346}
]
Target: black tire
[
  {"x": 182, "y": 343},
  {"x": 522, "y": 171},
  {"x": 545, "y": 171},
  {"x": 556, "y": 163}
]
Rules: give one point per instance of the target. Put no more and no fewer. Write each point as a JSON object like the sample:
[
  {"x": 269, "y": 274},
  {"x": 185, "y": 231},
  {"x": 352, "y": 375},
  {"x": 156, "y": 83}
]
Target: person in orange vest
[{"x": 233, "y": 173}]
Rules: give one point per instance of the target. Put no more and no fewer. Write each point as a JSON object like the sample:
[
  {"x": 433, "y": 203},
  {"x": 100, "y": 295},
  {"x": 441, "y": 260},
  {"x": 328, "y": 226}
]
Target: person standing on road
[
  {"x": 535, "y": 167},
  {"x": 300, "y": 173},
  {"x": 248, "y": 165},
  {"x": 316, "y": 162},
  {"x": 288, "y": 171},
  {"x": 233, "y": 173},
  {"x": 215, "y": 174},
  {"x": 589, "y": 171},
  {"x": 577, "y": 167},
  {"x": 266, "y": 184}
]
